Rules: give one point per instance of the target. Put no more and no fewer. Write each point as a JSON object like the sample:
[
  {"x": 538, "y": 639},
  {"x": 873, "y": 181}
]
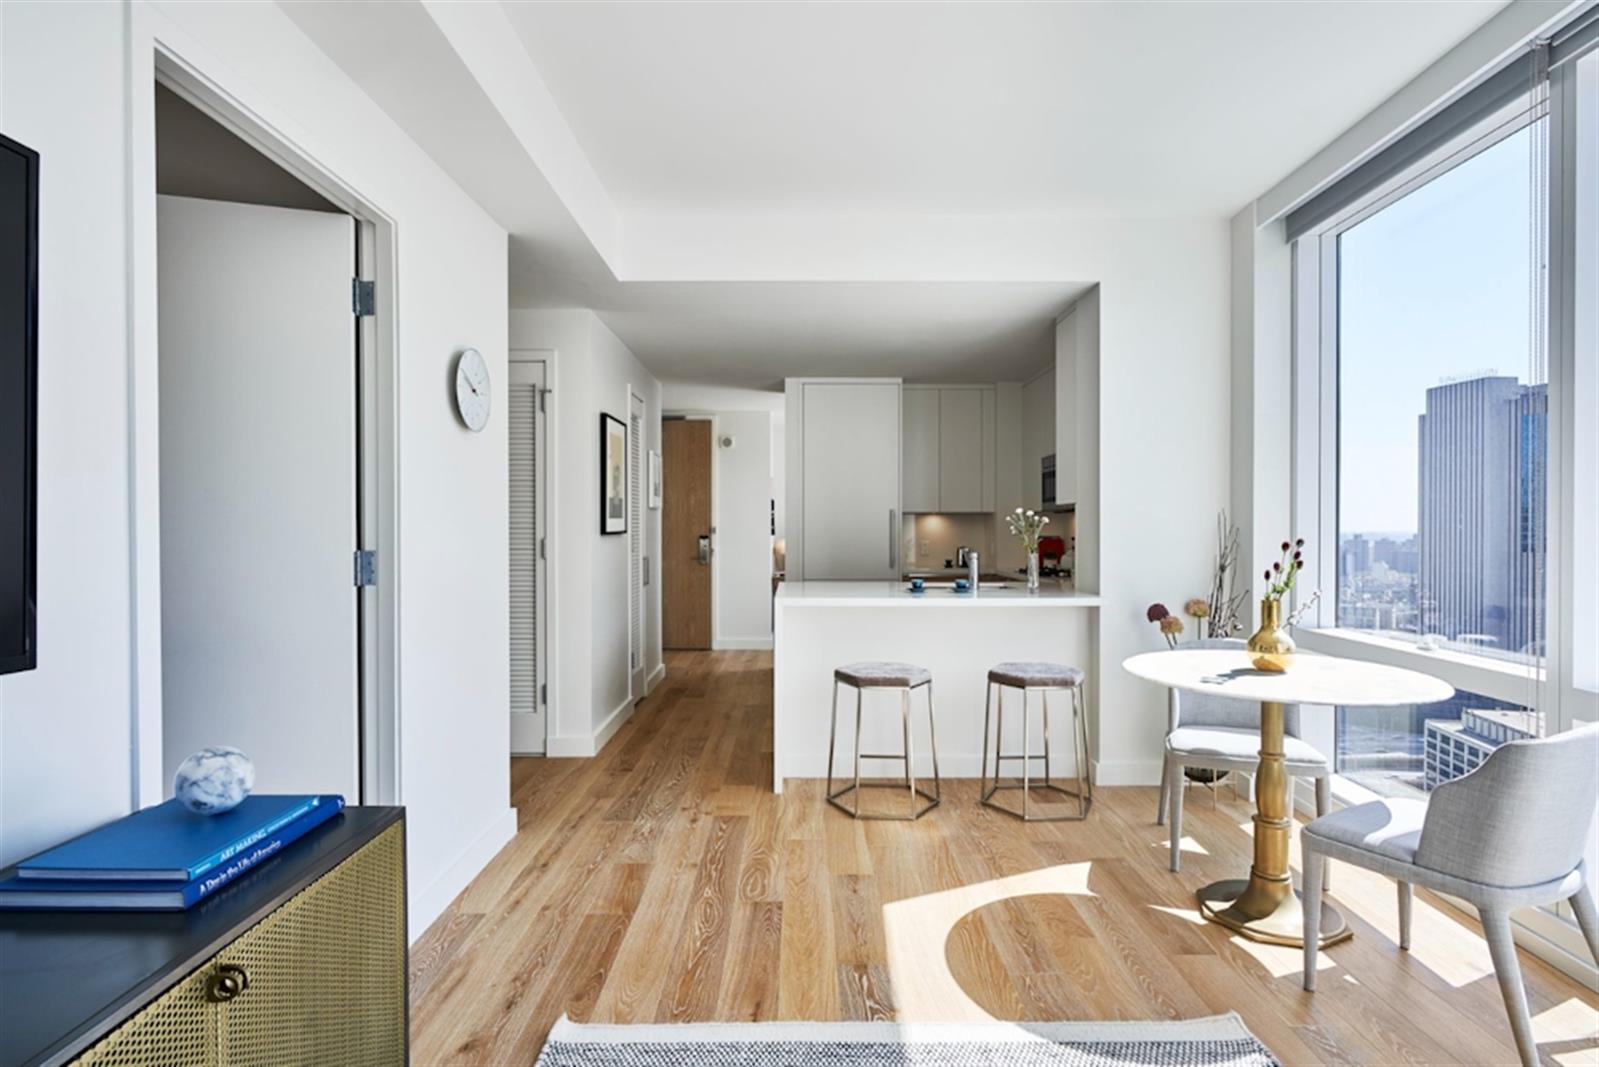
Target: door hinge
[
  {"x": 363, "y": 296},
  {"x": 366, "y": 567}
]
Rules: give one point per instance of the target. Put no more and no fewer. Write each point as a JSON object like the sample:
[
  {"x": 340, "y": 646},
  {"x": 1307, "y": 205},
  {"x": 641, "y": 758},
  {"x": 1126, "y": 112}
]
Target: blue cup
[
  {"x": 962, "y": 585},
  {"x": 917, "y": 585}
]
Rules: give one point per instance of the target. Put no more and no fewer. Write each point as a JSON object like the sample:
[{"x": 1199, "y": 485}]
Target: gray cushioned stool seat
[
  {"x": 1036, "y": 675},
  {"x": 883, "y": 675}
]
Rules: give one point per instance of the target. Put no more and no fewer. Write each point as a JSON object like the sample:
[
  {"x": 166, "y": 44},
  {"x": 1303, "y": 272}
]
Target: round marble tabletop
[{"x": 1310, "y": 680}]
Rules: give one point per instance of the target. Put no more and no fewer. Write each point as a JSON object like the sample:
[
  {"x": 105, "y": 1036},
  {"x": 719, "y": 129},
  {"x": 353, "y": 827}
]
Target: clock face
[{"x": 473, "y": 392}]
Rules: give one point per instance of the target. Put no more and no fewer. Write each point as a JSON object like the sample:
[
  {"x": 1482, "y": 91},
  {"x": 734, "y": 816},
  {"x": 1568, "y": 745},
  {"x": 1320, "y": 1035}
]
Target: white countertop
[{"x": 894, "y": 594}]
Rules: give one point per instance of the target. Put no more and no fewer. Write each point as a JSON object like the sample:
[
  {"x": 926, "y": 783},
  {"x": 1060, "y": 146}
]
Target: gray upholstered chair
[
  {"x": 1508, "y": 835},
  {"x": 1222, "y": 734}
]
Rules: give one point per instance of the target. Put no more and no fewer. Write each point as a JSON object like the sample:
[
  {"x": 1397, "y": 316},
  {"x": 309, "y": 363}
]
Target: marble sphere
[{"x": 214, "y": 780}]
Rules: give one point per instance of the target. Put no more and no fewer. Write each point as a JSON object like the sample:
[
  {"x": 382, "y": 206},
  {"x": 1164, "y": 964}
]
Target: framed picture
[
  {"x": 613, "y": 475},
  {"x": 655, "y": 479}
]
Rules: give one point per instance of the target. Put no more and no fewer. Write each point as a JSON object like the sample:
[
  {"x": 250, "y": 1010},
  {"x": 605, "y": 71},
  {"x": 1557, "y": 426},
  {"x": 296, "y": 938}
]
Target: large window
[{"x": 1442, "y": 414}]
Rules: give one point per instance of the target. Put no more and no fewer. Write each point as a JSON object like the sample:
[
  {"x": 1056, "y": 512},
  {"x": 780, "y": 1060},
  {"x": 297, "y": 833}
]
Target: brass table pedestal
[{"x": 1264, "y": 907}]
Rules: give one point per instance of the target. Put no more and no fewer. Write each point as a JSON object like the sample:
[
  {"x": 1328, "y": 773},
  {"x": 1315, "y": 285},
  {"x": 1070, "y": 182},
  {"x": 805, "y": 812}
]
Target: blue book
[
  {"x": 61, "y": 894},
  {"x": 168, "y": 842}
]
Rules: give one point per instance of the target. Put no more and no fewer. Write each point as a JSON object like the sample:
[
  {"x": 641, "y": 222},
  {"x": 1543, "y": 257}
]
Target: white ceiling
[
  {"x": 623, "y": 144},
  {"x": 1161, "y": 109},
  {"x": 756, "y": 333}
]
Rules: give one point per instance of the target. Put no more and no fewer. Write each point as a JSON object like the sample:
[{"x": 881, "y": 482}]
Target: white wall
[
  {"x": 77, "y": 84},
  {"x": 593, "y": 372},
  {"x": 748, "y": 477}
]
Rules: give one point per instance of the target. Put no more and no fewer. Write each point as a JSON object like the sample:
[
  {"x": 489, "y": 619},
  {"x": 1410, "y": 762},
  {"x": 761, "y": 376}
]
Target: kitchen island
[{"x": 956, "y": 635}]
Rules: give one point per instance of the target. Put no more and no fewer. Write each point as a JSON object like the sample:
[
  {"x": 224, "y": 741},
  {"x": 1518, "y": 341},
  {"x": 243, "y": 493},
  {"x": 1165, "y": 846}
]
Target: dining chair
[
  {"x": 1510, "y": 834},
  {"x": 1222, "y": 734}
]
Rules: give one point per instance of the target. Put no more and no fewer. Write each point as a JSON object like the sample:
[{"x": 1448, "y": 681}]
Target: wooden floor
[{"x": 663, "y": 881}]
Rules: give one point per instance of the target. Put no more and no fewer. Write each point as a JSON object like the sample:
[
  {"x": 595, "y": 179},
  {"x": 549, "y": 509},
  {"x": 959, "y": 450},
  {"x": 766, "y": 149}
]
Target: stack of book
[{"x": 164, "y": 858}]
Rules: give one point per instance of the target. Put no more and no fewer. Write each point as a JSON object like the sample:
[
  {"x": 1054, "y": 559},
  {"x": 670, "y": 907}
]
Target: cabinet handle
[
  {"x": 227, "y": 982},
  {"x": 893, "y": 542}
]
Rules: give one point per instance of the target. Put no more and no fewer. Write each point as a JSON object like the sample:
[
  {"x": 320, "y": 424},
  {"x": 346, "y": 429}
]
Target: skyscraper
[{"x": 1481, "y": 489}]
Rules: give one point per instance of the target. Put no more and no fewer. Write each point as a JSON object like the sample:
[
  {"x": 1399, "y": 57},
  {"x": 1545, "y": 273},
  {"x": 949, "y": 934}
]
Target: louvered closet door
[
  {"x": 635, "y": 543},
  {"x": 525, "y": 421}
]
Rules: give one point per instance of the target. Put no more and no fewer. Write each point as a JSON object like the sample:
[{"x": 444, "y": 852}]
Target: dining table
[{"x": 1264, "y": 906}]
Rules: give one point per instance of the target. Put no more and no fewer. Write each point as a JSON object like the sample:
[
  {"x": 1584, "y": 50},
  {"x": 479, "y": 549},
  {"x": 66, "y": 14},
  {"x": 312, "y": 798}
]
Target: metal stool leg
[
  {"x": 982, "y": 772},
  {"x": 857, "y": 812},
  {"x": 932, "y": 741},
  {"x": 1027, "y": 760},
  {"x": 832, "y": 740},
  {"x": 1085, "y": 782},
  {"x": 910, "y": 767},
  {"x": 1043, "y": 696}
]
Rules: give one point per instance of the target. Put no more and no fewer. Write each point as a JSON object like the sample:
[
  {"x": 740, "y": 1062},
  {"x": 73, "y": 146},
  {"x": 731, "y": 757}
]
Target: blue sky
[{"x": 1434, "y": 286}]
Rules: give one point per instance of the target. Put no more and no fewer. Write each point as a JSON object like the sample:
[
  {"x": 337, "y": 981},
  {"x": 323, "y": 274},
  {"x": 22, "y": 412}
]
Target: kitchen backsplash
[{"x": 931, "y": 539}]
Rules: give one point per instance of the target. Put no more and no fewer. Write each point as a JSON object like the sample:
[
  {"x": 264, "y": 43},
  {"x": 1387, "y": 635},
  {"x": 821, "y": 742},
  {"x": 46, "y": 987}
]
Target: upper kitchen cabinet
[
  {"x": 844, "y": 478},
  {"x": 949, "y": 448}
]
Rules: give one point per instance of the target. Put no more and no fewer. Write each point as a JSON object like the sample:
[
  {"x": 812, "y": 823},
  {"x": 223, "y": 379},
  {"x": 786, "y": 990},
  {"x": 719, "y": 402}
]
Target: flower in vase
[
  {"x": 1156, "y": 612},
  {"x": 1197, "y": 608},
  {"x": 1171, "y": 626}
]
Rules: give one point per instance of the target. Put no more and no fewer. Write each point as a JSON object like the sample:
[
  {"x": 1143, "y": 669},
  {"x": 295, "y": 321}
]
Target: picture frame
[
  {"x": 613, "y": 475},
  {"x": 655, "y": 480}
]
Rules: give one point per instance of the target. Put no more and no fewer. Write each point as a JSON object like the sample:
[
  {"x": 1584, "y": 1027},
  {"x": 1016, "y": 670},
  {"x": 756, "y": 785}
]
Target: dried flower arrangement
[
  {"x": 1029, "y": 526},
  {"x": 1280, "y": 575}
]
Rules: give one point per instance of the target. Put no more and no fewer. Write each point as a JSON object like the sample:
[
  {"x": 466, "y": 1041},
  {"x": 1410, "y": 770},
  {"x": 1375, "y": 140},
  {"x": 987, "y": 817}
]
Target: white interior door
[
  {"x": 525, "y": 418},
  {"x": 258, "y": 484}
]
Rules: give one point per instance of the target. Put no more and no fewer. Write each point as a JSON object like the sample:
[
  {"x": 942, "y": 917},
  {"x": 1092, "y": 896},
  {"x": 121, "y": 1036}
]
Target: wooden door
[{"x": 686, "y": 533}]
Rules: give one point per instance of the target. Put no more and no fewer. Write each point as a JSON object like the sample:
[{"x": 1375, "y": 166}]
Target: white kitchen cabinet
[
  {"x": 950, "y": 445},
  {"x": 850, "y": 491},
  {"x": 921, "y": 450}
]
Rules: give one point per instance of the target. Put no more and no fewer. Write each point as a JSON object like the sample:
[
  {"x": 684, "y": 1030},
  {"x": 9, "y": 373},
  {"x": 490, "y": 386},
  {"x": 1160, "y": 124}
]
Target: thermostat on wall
[{"x": 726, "y": 440}]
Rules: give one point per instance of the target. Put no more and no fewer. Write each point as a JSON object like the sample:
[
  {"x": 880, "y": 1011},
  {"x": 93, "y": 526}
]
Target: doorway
[
  {"x": 687, "y": 532},
  {"x": 261, "y": 381},
  {"x": 527, "y": 407}
]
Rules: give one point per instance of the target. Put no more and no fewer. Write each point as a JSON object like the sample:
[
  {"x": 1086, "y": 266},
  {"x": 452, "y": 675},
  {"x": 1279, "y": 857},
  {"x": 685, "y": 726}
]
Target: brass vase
[{"x": 1271, "y": 649}]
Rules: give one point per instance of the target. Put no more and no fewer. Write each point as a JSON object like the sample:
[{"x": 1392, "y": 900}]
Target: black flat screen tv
[{"x": 19, "y": 405}]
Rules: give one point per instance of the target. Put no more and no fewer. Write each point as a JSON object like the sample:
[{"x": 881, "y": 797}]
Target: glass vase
[{"x": 1032, "y": 573}]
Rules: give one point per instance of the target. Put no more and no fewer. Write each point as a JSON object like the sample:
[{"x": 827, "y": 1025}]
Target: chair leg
[
  {"x": 1502, "y": 947},
  {"x": 1323, "y": 806},
  {"x": 1587, "y": 919},
  {"x": 1165, "y": 791},
  {"x": 1315, "y": 865},
  {"x": 1174, "y": 791},
  {"x": 1407, "y": 894}
]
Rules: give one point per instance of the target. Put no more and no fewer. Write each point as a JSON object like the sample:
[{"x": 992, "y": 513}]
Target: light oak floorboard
[{"x": 663, "y": 881}]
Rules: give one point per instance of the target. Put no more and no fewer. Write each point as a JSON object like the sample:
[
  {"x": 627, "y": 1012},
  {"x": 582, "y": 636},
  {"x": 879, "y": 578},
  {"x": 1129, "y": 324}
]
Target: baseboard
[
  {"x": 656, "y": 677},
  {"x": 569, "y": 747},
  {"x": 1127, "y": 772},
  {"x": 428, "y": 903},
  {"x": 742, "y": 644},
  {"x": 613, "y": 722}
]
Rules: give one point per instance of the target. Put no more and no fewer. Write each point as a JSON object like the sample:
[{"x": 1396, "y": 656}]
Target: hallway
[{"x": 663, "y": 881}]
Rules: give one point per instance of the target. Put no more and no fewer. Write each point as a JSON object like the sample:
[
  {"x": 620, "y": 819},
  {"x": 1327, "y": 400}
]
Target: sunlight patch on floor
[
  {"x": 1570, "y": 1020},
  {"x": 1280, "y": 961},
  {"x": 1190, "y": 915},
  {"x": 917, "y": 928},
  {"x": 1184, "y": 844}
]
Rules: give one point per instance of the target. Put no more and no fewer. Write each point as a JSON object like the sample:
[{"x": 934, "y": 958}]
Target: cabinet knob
[{"x": 228, "y": 981}]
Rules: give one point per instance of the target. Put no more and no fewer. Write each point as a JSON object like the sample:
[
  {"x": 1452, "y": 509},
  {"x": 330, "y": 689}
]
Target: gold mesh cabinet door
[
  {"x": 326, "y": 970},
  {"x": 177, "y": 1029}
]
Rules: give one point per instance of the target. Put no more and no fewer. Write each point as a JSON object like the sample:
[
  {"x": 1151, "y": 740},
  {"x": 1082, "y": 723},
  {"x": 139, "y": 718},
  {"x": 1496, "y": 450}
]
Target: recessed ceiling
[
  {"x": 1158, "y": 109},
  {"x": 756, "y": 333}
]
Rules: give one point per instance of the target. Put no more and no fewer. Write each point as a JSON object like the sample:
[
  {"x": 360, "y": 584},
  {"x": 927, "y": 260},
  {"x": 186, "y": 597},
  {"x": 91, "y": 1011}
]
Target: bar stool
[
  {"x": 1043, "y": 679},
  {"x": 903, "y": 677}
]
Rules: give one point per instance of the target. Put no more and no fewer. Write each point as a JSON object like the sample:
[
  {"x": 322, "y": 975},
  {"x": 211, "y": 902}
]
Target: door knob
[
  {"x": 705, "y": 548},
  {"x": 227, "y": 982}
]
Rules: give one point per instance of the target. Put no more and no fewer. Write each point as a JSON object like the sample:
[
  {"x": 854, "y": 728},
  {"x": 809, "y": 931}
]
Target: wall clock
[{"x": 473, "y": 391}]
